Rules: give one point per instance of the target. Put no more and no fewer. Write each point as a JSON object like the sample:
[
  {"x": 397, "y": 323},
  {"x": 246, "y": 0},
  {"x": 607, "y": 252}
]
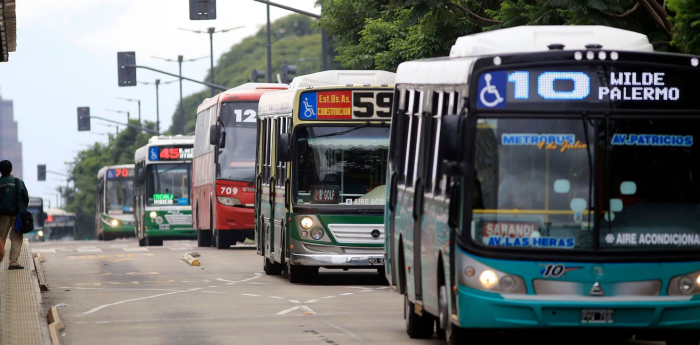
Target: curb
[
  {"x": 190, "y": 258},
  {"x": 56, "y": 325},
  {"x": 39, "y": 269}
]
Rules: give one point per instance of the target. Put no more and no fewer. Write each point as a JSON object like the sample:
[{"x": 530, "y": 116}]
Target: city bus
[
  {"x": 321, "y": 163},
  {"x": 542, "y": 179},
  {"x": 224, "y": 183},
  {"x": 114, "y": 202},
  {"x": 60, "y": 225},
  {"x": 162, "y": 190},
  {"x": 36, "y": 208}
]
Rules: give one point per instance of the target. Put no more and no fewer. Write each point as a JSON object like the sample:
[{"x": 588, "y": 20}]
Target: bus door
[{"x": 258, "y": 190}]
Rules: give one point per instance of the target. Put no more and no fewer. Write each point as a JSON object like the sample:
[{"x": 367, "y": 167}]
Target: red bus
[{"x": 223, "y": 184}]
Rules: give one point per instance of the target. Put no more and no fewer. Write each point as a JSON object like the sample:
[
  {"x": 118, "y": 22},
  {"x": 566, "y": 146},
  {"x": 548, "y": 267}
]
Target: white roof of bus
[
  {"x": 208, "y": 102},
  {"x": 57, "y": 212},
  {"x": 521, "y": 39},
  {"x": 103, "y": 170},
  {"x": 282, "y": 102},
  {"x": 179, "y": 139}
]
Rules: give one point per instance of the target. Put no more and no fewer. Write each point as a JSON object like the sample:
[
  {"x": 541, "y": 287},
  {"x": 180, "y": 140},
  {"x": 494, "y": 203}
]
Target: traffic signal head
[
  {"x": 202, "y": 9},
  {"x": 286, "y": 71},
  {"x": 127, "y": 75},
  {"x": 83, "y": 119},
  {"x": 258, "y": 75},
  {"x": 41, "y": 172}
]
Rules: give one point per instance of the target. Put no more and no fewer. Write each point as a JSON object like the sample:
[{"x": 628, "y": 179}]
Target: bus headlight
[
  {"x": 229, "y": 201},
  {"x": 317, "y": 234},
  {"x": 477, "y": 275},
  {"x": 114, "y": 222},
  {"x": 153, "y": 214},
  {"x": 40, "y": 233},
  {"x": 687, "y": 284},
  {"x": 306, "y": 223}
]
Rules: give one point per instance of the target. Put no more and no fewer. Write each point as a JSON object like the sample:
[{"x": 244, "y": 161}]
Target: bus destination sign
[
  {"x": 170, "y": 153},
  {"x": 120, "y": 174},
  {"x": 346, "y": 105},
  {"x": 586, "y": 87}
]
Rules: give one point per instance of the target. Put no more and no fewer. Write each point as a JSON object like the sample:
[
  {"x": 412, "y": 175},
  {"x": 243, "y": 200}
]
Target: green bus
[
  {"x": 163, "y": 189},
  {"x": 114, "y": 202},
  {"x": 320, "y": 173}
]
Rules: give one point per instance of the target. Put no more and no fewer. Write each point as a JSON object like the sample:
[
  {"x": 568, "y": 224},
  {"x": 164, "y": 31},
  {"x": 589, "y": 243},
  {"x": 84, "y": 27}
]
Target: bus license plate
[
  {"x": 596, "y": 316},
  {"x": 376, "y": 261},
  {"x": 164, "y": 226}
]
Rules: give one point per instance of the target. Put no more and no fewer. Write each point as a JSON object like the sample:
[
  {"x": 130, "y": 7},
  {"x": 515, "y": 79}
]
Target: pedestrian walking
[{"x": 10, "y": 207}]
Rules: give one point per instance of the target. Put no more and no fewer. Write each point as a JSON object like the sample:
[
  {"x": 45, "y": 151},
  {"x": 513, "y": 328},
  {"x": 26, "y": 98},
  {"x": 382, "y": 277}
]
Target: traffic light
[
  {"x": 41, "y": 172},
  {"x": 202, "y": 9},
  {"x": 258, "y": 75},
  {"x": 286, "y": 71},
  {"x": 127, "y": 75},
  {"x": 83, "y": 119}
]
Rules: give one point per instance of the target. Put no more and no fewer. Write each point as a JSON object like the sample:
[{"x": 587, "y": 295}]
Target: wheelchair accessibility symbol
[
  {"x": 309, "y": 101},
  {"x": 492, "y": 89}
]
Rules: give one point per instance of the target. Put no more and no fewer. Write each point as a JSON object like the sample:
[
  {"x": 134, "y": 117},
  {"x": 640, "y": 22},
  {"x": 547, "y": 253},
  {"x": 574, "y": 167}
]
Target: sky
[{"x": 67, "y": 58}]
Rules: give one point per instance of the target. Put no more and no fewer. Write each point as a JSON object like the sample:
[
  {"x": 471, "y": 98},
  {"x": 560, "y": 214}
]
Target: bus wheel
[
  {"x": 223, "y": 239},
  {"x": 271, "y": 268},
  {"x": 203, "y": 238},
  {"x": 154, "y": 242},
  {"x": 142, "y": 242},
  {"x": 417, "y": 327},
  {"x": 300, "y": 274},
  {"x": 100, "y": 237},
  {"x": 443, "y": 321}
]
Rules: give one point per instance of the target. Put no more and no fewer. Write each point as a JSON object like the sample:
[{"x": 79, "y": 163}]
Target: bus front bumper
[
  {"x": 482, "y": 310},
  {"x": 339, "y": 260}
]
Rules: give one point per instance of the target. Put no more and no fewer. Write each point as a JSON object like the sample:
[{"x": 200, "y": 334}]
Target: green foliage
[
  {"x": 686, "y": 25},
  {"x": 84, "y": 167},
  {"x": 294, "y": 39}
]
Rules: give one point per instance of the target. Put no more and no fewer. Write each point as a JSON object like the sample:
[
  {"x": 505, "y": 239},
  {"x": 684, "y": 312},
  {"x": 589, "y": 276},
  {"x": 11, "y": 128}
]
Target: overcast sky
[{"x": 67, "y": 57}]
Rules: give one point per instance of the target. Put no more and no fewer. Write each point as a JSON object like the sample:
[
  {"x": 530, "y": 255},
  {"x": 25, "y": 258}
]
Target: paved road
[{"x": 118, "y": 293}]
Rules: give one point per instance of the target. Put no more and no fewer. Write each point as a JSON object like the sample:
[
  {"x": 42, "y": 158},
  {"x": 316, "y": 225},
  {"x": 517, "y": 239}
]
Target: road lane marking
[
  {"x": 250, "y": 294},
  {"x": 135, "y": 249},
  {"x": 346, "y": 294},
  {"x": 89, "y": 250},
  {"x": 214, "y": 291},
  {"x": 311, "y": 301},
  {"x": 100, "y": 275},
  {"x": 345, "y": 331},
  {"x": 159, "y": 281},
  {"x": 365, "y": 291},
  {"x": 328, "y": 297},
  {"x": 294, "y": 301},
  {"x": 383, "y": 287},
  {"x": 96, "y": 309},
  {"x": 309, "y": 311},
  {"x": 288, "y": 310},
  {"x": 116, "y": 289},
  {"x": 118, "y": 246},
  {"x": 276, "y": 297},
  {"x": 142, "y": 273},
  {"x": 37, "y": 250},
  {"x": 231, "y": 282}
]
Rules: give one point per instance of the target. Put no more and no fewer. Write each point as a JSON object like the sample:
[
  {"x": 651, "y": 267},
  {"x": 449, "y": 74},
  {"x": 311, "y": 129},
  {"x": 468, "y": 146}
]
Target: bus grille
[
  {"x": 179, "y": 219},
  {"x": 357, "y": 233}
]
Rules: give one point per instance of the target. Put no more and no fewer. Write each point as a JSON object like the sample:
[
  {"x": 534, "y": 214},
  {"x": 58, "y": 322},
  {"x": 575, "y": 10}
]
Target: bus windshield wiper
[{"x": 366, "y": 124}]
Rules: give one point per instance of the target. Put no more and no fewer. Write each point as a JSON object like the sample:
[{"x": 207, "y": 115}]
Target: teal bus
[
  {"x": 162, "y": 193},
  {"x": 545, "y": 180},
  {"x": 36, "y": 208},
  {"x": 114, "y": 202}
]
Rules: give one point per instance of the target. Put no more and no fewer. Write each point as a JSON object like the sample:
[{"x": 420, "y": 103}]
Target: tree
[{"x": 294, "y": 39}]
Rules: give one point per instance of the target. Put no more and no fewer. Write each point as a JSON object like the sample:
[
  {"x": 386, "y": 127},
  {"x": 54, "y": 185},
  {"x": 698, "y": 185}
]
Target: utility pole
[
  {"x": 157, "y": 84},
  {"x": 180, "y": 60},
  {"x": 269, "y": 48},
  {"x": 133, "y": 100}
]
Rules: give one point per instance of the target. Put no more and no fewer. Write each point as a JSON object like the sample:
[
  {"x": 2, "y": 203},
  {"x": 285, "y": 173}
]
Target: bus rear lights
[
  {"x": 229, "y": 201},
  {"x": 153, "y": 214},
  {"x": 488, "y": 279},
  {"x": 114, "y": 222},
  {"x": 306, "y": 223},
  {"x": 317, "y": 234},
  {"x": 469, "y": 271}
]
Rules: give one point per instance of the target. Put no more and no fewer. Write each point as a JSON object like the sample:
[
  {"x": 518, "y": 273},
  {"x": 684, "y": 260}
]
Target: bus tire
[
  {"x": 142, "y": 242},
  {"x": 223, "y": 240},
  {"x": 300, "y": 274},
  {"x": 154, "y": 242},
  {"x": 417, "y": 326},
  {"x": 271, "y": 268},
  {"x": 203, "y": 238},
  {"x": 100, "y": 236}
]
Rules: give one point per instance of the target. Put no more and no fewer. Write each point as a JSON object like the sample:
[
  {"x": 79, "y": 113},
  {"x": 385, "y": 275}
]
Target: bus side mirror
[
  {"x": 100, "y": 187},
  {"x": 283, "y": 147},
  {"x": 214, "y": 134},
  {"x": 222, "y": 140},
  {"x": 140, "y": 177},
  {"x": 450, "y": 145}
]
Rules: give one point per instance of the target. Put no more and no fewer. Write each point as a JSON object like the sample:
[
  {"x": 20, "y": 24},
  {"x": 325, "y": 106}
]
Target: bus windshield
[
  {"x": 341, "y": 165},
  {"x": 237, "y": 158},
  {"x": 168, "y": 184},
  {"x": 120, "y": 196}
]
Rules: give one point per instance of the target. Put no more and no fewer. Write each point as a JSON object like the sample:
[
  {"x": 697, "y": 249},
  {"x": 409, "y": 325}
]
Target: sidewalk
[{"x": 21, "y": 320}]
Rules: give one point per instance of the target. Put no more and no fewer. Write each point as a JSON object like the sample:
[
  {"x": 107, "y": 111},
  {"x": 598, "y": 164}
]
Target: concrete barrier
[{"x": 190, "y": 258}]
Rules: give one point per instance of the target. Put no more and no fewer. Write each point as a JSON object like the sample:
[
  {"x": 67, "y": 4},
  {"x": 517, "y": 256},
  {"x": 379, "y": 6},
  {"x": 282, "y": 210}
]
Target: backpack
[{"x": 25, "y": 222}]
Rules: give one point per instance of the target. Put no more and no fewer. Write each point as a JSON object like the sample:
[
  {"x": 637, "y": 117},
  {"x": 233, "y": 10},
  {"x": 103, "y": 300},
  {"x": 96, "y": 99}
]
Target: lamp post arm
[
  {"x": 126, "y": 124},
  {"x": 313, "y": 15},
  {"x": 222, "y": 88}
]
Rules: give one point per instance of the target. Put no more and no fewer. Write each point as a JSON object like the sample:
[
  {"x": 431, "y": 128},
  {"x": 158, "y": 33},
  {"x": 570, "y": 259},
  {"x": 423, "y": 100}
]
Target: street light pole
[
  {"x": 182, "y": 107},
  {"x": 157, "y": 108},
  {"x": 211, "y": 56},
  {"x": 134, "y": 100},
  {"x": 269, "y": 48}
]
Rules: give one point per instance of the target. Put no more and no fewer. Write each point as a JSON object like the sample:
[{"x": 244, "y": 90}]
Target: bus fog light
[
  {"x": 307, "y": 223},
  {"x": 40, "y": 233},
  {"x": 686, "y": 285},
  {"x": 317, "y": 234},
  {"x": 114, "y": 222},
  {"x": 154, "y": 214},
  {"x": 304, "y": 234},
  {"x": 159, "y": 220},
  {"x": 469, "y": 271},
  {"x": 508, "y": 283},
  {"x": 488, "y": 279}
]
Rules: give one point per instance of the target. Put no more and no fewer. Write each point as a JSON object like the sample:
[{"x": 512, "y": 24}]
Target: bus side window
[
  {"x": 413, "y": 123},
  {"x": 282, "y": 128},
  {"x": 399, "y": 127},
  {"x": 442, "y": 185},
  {"x": 267, "y": 152},
  {"x": 276, "y": 133},
  {"x": 433, "y": 141}
]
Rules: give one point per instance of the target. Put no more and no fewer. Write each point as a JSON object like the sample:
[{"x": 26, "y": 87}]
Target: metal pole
[
  {"x": 324, "y": 52},
  {"x": 269, "y": 48},
  {"x": 139, "y": 112},
  {"x": 211, "y": 56},
  {"x": 157, "y": 108},
  {"x": 128, "y": 117},
  {"x": 182, "y": 107}
]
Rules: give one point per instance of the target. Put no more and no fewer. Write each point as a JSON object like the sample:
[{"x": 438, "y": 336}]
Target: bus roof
[
  {"x": 455, "y": 69},
  {"x": 57, "y": 212},
  {"x": 179, "y": 139},
  {"x": 343, "y": 77},
  {"x": 104, "y": 169},
  {"x": 245, "y": 92}
]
